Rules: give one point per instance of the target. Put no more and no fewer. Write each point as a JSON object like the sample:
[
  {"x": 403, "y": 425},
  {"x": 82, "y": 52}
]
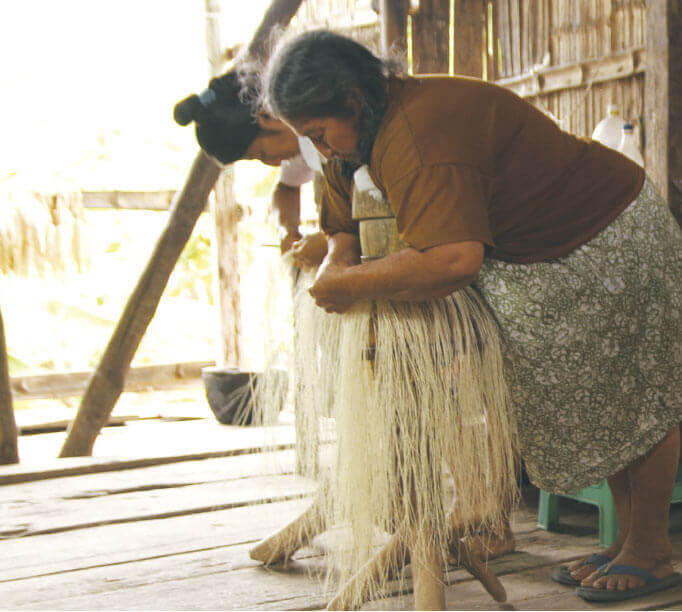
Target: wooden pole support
[
  {"x": 478, "y": 569},
  {"x": 285, "y": 542},
  {"x": 393, "y": 555},
  {"x": 9, "y": 452},
  {"x": 106, "y": 384},
  {"x": 427, "y": 578}
]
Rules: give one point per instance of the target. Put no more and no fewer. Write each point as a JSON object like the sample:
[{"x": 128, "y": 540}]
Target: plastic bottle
[
  {"x": 628, "y": 146},
  {"x": 609, "y": 129}
]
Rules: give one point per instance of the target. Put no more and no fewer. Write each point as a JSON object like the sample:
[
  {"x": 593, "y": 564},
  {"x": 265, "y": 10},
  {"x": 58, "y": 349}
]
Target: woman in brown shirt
[{"x": 569, "y": 244}]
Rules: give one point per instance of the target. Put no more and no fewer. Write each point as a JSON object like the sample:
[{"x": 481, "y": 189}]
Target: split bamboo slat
[{"x": 572, "y": 58}]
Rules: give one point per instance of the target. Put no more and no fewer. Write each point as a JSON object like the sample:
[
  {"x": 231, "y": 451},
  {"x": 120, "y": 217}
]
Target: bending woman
[
  {"x": 569, "y": 243},
  {"x": 229, "y": 127}
]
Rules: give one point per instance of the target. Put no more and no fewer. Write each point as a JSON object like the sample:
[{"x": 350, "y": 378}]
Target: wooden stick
[
  {"x": 9, "y": 452},
  {"x": 106, "y": 384},
  {"x": 478, "y": 569},
  {"x": 393, "y": 555},
  {"x": 285, "y": 542},
  {"x": 427, "y": 578},
  {"x": 280, "y": 13}
]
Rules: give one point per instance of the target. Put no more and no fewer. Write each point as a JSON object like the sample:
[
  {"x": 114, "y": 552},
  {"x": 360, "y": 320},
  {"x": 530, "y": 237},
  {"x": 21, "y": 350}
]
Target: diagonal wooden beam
[
  {"x": 106, "y": 384},
  {"x": 9, "y": 452}
]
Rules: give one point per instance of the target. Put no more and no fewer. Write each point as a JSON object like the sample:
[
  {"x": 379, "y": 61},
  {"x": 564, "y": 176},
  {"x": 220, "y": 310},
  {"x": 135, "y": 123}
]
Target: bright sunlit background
[{"x": 88, "y": 88}]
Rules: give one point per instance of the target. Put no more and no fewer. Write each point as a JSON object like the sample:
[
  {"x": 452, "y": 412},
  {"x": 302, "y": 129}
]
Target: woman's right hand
[
  {"x": 310, "y": 250},
  {"x": 288, "y": 240}
]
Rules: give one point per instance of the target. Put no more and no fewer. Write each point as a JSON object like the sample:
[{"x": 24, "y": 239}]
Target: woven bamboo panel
[
  {"x": 528, "y": 36},
  {"x": 354, "y": 18},
  {"x": 569, "y": 30},
  {"x": 533, "y": 35}
]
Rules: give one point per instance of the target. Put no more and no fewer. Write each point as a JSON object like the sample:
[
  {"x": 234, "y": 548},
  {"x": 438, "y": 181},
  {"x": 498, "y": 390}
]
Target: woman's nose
[{"x": 324, "y": 150}]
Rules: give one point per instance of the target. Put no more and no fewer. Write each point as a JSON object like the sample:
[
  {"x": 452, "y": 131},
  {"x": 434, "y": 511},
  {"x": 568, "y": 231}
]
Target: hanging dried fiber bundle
[
  {"x": 425, "y": 440},
  {"x": 42, "y": 233},
  {"x": 272, "y": 392}
]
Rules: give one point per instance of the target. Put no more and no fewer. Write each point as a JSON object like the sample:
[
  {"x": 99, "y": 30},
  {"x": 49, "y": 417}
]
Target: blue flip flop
[
  {"x": 563, "y": 576},
  {"x": 652, "y": 584}
]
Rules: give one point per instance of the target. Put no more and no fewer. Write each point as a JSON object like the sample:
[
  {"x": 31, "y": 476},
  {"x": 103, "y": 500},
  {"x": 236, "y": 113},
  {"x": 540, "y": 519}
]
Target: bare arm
[
  {"x": 286, "y": 202},
  {"x": 407, "y": 275}
]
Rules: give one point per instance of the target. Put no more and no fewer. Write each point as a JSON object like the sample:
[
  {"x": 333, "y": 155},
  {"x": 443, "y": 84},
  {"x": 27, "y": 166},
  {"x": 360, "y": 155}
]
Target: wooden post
[
  {"x": 106, "y": 384},
  {"x": 225, "y": 217},
  {"x": 469, "y": 20},
  {"x": 430, "y": 36},
  {"x": 393, "y": 15},
  {"x": 280, "y": 12},
  {"x": 427, "y": 579},
  {"x": 9, "y": 452},
  {"x": 663, "y": 100}
]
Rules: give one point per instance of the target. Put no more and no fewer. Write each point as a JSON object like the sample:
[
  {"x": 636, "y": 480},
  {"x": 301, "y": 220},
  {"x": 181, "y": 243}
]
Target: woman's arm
[
  {"x": 407, "y": 275},
  {"x": 286, "y": 202}
]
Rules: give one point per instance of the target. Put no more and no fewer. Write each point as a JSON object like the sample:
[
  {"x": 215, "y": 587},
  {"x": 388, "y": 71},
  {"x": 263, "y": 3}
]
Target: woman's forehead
[{"x": 307, "y": 124}]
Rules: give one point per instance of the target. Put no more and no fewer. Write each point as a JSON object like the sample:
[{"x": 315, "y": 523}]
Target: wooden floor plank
[
  {"x": 225, "y": 577},
  {"x": 222, "y": 576},
  {"x": 189, "y": 580},
  {"x": 53, "y": 514},
  {"x": 139, "y": 444},
  {"x": 199, "y": 471},
  {"x": 24, "y": 558}
]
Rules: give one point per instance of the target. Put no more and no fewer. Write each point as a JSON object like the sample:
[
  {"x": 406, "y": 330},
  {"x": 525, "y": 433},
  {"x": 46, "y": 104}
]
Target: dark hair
[
  {"x": 315, "y": 74},
  {"x": 224, "y": 116},
  {"x": 318, "y": 73}
]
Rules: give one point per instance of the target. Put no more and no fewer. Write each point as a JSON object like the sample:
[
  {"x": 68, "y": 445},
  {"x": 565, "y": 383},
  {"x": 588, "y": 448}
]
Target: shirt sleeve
[
  {"x": 295, "y": 172},
  {"x": 336, "y": 202},
  {"x": 441, "y": 204}
]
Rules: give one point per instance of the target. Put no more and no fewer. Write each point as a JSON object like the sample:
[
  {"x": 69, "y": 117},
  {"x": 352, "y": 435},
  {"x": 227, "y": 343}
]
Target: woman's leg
[
  {"x": 620, "y": 489},
  {"x": 646, "y": 544}
]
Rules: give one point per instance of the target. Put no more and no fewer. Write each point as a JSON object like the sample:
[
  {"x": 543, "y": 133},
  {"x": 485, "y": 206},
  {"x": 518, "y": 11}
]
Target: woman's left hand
[{"x": 329, "y": 290}]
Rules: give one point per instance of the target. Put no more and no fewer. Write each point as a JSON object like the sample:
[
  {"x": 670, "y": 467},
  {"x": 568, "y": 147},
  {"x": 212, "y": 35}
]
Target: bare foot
[
  {"x": 580, "y": 569},
  {"x": 659, "y": 567}
]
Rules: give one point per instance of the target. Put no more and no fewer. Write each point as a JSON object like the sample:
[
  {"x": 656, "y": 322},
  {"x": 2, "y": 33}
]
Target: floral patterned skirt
[{"x": 593, "y": 346}]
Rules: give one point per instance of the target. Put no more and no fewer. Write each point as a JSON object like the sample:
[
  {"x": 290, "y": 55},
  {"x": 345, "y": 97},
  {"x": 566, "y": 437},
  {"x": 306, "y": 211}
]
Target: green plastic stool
[{"x": 598, "y": 495}]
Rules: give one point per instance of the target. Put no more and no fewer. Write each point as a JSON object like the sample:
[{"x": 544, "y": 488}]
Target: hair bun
[{"x": 185, "y": 111}]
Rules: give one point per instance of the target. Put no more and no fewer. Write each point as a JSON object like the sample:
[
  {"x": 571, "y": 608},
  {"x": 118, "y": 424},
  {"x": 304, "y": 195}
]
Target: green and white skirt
[{"x": 593, "y": 346}]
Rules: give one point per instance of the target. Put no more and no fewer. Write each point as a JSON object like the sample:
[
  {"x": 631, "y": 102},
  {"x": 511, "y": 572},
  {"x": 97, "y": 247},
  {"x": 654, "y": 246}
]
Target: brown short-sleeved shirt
[{"x": 462, "y": 159}]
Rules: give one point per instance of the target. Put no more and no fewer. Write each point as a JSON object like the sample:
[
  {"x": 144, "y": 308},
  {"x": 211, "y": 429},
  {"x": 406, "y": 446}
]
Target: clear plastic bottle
[
  {"x": 609, "y": 129},
  {"x": 628, "y": 145}
]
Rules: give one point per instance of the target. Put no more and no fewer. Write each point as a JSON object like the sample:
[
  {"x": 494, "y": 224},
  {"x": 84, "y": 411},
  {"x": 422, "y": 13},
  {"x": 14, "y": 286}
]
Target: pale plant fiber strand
[{"x": 422, "y": 417}]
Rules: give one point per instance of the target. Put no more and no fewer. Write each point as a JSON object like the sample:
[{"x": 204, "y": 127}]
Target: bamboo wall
[
  {"x": 353, "y": 18},
  {"x": 532, "y": 36},
  {"x": 564, "y": 44}
]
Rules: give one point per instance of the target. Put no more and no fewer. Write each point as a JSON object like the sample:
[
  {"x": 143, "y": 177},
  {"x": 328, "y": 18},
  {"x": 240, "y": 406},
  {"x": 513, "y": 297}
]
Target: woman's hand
[
  {"x": 329, "y": 290},
  {"x": 288, "y": 240},
  {"x": 310, "y": 250}
]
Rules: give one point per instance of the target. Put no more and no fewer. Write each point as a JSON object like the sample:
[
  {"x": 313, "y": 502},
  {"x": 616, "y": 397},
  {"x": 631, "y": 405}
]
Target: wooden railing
[{"x": 141, "y": 378}]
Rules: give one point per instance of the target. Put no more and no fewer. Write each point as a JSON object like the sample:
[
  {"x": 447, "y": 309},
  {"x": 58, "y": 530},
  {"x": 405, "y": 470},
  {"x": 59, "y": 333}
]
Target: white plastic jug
[
  {"x": 609, "y": 129},
  {"x": 628, "y": 146}
]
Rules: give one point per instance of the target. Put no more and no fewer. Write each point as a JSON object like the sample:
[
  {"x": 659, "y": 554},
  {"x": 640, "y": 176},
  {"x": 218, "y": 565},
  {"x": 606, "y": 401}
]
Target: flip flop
[
  {"x": 652, "y": 584},
  {"x": 563, "y": 576}
]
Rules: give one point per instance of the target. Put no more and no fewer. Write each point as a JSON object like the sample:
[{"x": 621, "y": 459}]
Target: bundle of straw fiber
[
  {"x": 41, "y": 232},
  {"x": 425, "y": 438}
]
